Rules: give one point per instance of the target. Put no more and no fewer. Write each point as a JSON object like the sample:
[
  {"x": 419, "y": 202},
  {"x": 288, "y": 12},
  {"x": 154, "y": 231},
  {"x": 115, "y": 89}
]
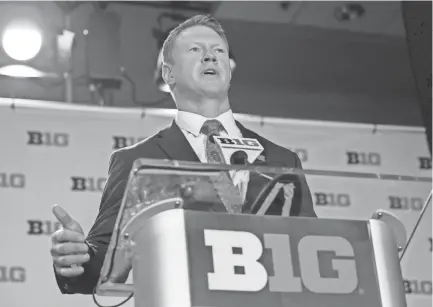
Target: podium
[{"x": 173, "y": 235}]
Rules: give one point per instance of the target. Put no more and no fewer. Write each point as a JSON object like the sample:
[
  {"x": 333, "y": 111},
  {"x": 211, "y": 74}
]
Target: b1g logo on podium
[{"x": 241, "y": 251}]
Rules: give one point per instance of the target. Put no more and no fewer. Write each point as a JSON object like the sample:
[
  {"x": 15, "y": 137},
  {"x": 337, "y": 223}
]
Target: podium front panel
[
  {"x": 254, "y": 258},
  {"x": 279, "y": 262}
]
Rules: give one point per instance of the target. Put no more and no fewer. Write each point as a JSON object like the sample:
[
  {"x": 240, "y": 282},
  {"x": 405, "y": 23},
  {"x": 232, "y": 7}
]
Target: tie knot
[{"x": 212, "y": 127}]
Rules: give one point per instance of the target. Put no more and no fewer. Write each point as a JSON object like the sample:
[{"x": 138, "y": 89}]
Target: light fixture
[
  {"x": 25, "y": 71},
  {"x": 30, "y": 45},
  {"x": 22, "y": 40}
]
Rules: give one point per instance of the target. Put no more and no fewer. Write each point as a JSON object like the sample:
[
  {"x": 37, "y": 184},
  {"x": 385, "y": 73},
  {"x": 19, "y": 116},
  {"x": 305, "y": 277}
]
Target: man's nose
[{"x": 209, "y": 57}]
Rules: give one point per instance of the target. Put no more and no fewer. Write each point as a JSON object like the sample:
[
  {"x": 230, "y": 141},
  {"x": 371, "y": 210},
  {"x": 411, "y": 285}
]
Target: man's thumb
[{"x": 66, "y": 221}]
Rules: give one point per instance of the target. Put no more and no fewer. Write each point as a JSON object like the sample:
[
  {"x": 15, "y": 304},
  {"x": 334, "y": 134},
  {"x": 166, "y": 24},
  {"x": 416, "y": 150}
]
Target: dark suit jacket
[{"x": 170, "y": 143}]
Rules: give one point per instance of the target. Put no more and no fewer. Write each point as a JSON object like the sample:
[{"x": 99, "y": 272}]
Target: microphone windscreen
[{"x": 239, "y": 157}]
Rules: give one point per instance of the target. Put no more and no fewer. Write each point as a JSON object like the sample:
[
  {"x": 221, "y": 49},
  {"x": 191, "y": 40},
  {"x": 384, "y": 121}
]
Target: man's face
[{"x": 201, "y": 63}]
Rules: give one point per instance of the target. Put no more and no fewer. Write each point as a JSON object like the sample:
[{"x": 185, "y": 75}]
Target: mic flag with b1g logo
[
  {"x": 280, "y": 262},
  {"x": 229, "y": 146}
]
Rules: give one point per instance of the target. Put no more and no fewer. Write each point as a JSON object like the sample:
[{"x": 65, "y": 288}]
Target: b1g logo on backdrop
[
  {"x": 53, "y": 139},
  {"x": 12, "y": 180},
  {"x": 91, "y": 184},
  {"x": 39, "y": 227},
  {"x": 236, "y": 266},
  {"x": 363, "y": 158},
  {"x": 124, "y": 141},
  {"x": 405, "y": 203},
  {"x": 332, "y": 199},
  {"x": 12, "y": 274},
  {"x": 423, "y": 287},
  {"x": 424, "y": 162}
]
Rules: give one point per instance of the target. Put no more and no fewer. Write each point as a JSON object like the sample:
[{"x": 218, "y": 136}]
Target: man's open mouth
[{"x": 210, "y": 72}]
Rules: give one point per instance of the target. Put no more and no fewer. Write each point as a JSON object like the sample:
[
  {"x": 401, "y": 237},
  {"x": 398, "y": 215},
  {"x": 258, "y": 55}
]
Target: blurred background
[
  {"x": 316, "y": 60},
  {"x": 345, "y": 85}
]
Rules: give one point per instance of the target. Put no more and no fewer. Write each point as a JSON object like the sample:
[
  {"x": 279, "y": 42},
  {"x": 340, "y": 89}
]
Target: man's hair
[{"x": 198, "y": 20}]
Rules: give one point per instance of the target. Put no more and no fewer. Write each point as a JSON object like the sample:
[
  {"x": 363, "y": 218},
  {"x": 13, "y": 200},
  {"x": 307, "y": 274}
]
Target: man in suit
[{"x": 197, "y": 69}]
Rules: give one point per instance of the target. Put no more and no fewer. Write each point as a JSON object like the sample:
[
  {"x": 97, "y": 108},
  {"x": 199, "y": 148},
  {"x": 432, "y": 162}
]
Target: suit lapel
[
  {"x": 256, "y": 182},
  {"x": 174, "y": 144},
  {"x": 255, "y": 185}
]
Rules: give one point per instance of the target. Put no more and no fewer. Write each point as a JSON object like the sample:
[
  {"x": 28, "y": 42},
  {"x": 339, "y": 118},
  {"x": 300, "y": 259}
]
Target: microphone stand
[
  {"x": 424, "y": 209},
  {"x": 240, "y": 157}
]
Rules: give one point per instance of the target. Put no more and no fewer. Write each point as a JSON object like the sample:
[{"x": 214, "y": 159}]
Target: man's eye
[
  {"x": 194, "y": 49},
  {"x": 220, "y": 50}
]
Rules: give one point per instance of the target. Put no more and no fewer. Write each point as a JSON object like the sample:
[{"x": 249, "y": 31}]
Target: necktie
[{"x": 229, "y": 194}]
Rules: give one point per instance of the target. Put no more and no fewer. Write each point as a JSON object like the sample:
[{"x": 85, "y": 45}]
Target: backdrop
[{"x": 58, "y": 154}]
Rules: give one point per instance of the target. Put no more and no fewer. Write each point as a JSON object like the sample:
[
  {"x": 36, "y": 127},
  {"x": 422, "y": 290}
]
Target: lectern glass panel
[{"x": 155, "y": 186}]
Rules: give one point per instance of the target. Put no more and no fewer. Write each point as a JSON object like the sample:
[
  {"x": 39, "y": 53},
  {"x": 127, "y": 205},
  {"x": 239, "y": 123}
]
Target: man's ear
[
  {"x": 167, "y": 74},
  {"x": 232, "y": 66}
]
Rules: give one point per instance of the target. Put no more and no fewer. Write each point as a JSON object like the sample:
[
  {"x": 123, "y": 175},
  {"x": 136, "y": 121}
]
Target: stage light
[
  {"x": 24, "y": 71},
  {"x": 22, "y": 40}
]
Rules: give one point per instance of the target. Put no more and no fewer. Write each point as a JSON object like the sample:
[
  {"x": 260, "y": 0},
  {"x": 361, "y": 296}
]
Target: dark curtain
[{"x": 417, "y": 16}]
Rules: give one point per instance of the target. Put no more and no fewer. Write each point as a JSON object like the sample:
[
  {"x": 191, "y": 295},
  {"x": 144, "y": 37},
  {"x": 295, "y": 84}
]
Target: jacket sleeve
[
  {"x": 99, "y": 236},
  {"x": 302, "y": 200}
]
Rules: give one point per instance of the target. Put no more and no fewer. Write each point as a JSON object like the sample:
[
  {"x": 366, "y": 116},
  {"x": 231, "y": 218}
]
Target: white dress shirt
[{"x": 191, "y": 124}]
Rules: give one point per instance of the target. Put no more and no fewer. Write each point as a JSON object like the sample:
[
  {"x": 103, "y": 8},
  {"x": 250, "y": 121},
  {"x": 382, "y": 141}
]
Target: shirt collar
[{"x": 192, "y": 122}]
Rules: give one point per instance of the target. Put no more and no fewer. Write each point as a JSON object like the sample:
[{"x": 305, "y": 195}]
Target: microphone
[
  {"x": 244, "y": 151},
  {"x": 238, "y": 151}
]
